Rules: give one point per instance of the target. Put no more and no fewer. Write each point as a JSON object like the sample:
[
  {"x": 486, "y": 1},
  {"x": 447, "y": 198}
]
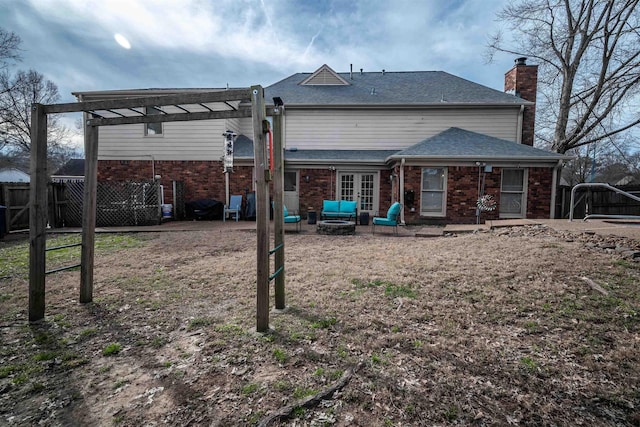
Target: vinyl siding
[
  {"x": 390, "y": 129},
  {"x": 195, "y": 140},
  {"x": 246, "y": 127}
]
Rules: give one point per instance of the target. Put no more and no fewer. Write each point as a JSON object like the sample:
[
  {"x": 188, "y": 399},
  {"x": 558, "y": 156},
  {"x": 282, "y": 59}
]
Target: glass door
[{"x": 359, "y": 186}]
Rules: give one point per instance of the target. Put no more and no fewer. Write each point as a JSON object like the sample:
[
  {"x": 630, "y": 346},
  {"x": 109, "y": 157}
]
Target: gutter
[{"x": 392, "y": 106}]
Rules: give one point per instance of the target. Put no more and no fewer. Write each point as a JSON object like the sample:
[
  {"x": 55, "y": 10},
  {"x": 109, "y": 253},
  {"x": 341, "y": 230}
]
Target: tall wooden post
[
  {"x": 37, "y": 213},
  {"x": 278, "y": 201},
  {"x": 262, "y": 208},
  {"x": 89, "y": 212}
]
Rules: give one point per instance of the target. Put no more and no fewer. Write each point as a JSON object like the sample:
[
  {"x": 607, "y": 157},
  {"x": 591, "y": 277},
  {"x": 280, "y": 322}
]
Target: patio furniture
[
  {"x": 235, "y": 204},
  {"x": 291, "y": 219},
  {"x": 339, "y": 209},
  {"x": 391, "y": 220}
]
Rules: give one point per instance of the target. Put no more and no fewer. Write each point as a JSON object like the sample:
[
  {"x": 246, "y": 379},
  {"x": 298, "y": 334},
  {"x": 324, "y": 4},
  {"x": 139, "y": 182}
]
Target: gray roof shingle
[
  {"x": 243, "y": 149},
  {"x": 451, "y": 144},
  {"x": 456, "y": 143},
  {"x": 390, "y": 88}
]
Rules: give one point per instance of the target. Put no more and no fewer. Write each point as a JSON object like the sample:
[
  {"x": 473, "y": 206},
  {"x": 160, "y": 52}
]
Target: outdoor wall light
[{"x": 307, "y": 178}]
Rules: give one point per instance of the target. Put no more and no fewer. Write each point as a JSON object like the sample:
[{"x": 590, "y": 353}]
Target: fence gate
[{"x": 15, "y": 196}]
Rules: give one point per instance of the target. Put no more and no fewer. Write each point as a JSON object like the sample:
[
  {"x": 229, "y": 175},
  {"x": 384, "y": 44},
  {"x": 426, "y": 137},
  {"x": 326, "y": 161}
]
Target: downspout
[
  {"x": 402, "y": 190},
  {"x": 554, "y": 189},
  {"x": 519, "y": 129}
]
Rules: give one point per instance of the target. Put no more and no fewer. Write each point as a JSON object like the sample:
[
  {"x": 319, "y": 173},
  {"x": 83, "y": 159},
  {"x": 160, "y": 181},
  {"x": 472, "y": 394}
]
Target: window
[
  {"x": 434, "y": 188},
  {"x": 290, "y": 181},
  {"x": 512, "y": 193},
  {"x": 153, "y": 128}
]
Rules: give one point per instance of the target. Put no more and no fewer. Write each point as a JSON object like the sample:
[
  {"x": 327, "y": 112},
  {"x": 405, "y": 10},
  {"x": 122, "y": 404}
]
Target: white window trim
[
  {"x": 443, "y": 212},
  {"x": 525, "y": 191}
]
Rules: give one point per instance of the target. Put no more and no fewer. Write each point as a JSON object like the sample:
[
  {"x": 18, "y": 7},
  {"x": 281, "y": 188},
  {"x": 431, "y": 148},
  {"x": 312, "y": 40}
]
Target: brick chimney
[{"x": 522, "y": 81}]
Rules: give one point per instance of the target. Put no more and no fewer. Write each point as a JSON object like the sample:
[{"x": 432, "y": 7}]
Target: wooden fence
[
  {"x": 15, "y": 198},
  {"x": 131, "y": 203},
  {"x": 598, "y": 201}
]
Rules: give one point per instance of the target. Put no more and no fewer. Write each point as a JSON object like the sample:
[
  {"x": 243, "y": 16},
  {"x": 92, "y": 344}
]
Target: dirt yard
[{"x": 521, "y": 326}]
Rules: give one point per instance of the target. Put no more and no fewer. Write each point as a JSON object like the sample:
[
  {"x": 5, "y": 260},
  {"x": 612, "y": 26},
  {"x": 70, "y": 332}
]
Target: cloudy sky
[{"x": 212, "y": 43}]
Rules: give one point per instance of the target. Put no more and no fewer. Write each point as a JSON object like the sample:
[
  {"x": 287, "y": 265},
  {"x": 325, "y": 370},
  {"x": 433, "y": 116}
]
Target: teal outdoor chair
[
  {"x": 234, "y": 207},
  {"x": 292, "y": 219},
  {"x": 392, "y": 218}
]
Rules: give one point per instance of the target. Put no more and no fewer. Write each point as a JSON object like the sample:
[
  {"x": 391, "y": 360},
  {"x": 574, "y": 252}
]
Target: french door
[{"x": 359, "y": 186}]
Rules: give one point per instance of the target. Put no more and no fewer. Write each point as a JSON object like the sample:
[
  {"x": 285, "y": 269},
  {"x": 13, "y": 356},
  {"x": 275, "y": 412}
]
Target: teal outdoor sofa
[
  {"x": 339, "y": 209},
  {"x": 391, "y": 220}
]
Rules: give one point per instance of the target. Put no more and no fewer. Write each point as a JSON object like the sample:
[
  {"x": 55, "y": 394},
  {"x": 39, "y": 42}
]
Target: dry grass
[{"x": 482, "y": 329}]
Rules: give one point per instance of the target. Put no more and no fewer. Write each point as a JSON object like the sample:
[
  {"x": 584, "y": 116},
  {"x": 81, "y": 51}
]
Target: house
[
  {"x": 71, "y": 171},
  {"x": 431, "y": 140},
  {"x": 13, "y": 175}
]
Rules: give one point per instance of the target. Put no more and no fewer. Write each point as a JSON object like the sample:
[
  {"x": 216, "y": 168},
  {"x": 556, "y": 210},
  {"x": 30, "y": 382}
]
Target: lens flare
[{"x": 122, "y": 41}]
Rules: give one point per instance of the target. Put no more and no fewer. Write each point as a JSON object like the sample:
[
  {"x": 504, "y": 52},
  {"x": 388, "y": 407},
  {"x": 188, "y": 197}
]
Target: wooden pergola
[{"x": 191, "y": 106}]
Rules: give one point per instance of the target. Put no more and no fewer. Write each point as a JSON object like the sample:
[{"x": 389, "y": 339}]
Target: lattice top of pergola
[{"x": 205, "y": 105}]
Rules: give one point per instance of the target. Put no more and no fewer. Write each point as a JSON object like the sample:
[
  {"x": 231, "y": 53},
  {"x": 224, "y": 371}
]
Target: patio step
[{"x": 430, "y": 232}]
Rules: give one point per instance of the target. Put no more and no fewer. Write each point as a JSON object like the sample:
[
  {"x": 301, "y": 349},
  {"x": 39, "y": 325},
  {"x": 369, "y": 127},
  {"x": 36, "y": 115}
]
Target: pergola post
[
  {"x": 89, "y": 213},
  {"x": 278, "y": 201},
  {"x": 37, "y": 213},
  {"x": 262, "y": 208}
]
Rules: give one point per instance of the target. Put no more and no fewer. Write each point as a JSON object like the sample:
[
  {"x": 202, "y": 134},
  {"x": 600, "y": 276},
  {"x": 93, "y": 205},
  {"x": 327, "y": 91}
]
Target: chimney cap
[{"x": 521, "y": 61}]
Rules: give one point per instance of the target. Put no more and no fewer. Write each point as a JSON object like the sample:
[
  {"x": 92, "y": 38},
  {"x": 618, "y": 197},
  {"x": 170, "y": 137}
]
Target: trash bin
[
  {"x": 312, "y": 217},
  {"x": 3, "y": 221},
  {"x": 364, "y": 218}
]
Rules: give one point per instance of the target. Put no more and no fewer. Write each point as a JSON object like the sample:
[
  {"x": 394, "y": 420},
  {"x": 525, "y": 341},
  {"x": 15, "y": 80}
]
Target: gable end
[{"x": 324, "y": 76}]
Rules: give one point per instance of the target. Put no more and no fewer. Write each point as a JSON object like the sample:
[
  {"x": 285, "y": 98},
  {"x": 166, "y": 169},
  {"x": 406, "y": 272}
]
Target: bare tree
[
  {"x": 9, "y": 47},
  {"x": 17, "y": 94},
  {"x": 589, "y": 66}
]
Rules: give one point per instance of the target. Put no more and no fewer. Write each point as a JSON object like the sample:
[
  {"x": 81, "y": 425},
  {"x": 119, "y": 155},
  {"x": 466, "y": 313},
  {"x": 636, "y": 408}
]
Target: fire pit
[{"x": 336, "y": 227}]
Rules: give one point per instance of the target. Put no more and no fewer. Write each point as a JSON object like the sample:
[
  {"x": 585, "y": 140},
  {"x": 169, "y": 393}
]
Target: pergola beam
[
  {"x": 150, "y": 101},
  {"x": 172, "y": 117}
]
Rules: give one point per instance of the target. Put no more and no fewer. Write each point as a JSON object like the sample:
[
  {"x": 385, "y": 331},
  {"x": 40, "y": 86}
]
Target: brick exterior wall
[
  {"x": 322, "y": 186},
  {"x": 462, "y": 194},
  {"x": 202, "y": 179},
  {"x": 539, "y": 192},
  {"x": 205, "y": 180},
  {"x": 318, "y": 188},
  {"x": 522, "y": 80}
]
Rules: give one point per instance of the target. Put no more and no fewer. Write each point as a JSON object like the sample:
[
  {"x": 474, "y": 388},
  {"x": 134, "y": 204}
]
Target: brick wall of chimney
[{"x": 522, "y": 80}]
